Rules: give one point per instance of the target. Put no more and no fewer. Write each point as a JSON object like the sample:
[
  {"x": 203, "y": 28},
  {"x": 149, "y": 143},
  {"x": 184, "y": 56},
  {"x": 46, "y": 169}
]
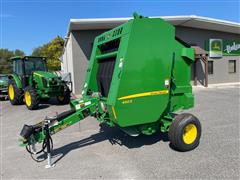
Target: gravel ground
[{"x": 86, "y": 151}]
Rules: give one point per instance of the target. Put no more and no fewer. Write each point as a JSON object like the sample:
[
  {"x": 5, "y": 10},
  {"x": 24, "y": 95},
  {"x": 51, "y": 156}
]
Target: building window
[
  {"x": 232, "y": 66},
  {"x": 210, "y": 67}
]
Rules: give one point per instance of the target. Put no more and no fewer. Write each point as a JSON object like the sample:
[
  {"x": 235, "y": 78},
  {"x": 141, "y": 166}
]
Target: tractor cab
[{"x": 25, "y": 66}]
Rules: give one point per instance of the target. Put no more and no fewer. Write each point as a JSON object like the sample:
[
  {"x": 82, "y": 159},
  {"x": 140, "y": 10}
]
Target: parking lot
[{"x": 86, "y": 151}]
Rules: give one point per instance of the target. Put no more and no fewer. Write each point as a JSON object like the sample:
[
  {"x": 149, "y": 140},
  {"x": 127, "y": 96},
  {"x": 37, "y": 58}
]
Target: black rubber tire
[
  {"x": 18, "y": 93},
  {"x": 34, "y": 98},
  {"x": 176, "y": 131},
  {"x": 44, "y": 100},
  {"x": 66, "y": 96}
]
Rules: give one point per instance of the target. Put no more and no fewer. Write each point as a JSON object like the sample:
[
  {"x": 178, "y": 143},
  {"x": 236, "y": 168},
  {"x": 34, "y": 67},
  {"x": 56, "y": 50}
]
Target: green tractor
[
  {"x": 31, "y": 82},
  {"x": 3, "y": 86}
]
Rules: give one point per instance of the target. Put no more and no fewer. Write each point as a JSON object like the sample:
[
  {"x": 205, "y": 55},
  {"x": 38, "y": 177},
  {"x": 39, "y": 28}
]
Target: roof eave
[{"x": 186, "y": 21}]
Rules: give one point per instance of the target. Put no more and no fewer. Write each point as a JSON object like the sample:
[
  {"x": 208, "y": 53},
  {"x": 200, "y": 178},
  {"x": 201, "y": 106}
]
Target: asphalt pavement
[{"x": 88, "y": 151}]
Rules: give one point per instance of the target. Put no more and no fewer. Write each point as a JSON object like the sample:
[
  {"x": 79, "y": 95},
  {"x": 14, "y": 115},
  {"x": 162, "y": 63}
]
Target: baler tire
[
  {"x": 34, "y": 98},
  {"x": 185, "y": 132},
  {"x": 16, "y": 98},
  {"x": 65, "y": 97}
]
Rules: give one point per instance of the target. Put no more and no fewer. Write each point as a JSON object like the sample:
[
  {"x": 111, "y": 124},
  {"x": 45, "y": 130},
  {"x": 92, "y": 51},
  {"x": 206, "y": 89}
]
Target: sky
[{"x": 27, "y": 24}]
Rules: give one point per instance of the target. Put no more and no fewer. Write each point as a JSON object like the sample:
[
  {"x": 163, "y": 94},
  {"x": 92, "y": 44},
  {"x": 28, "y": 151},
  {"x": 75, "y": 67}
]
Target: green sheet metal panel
[
  {"x": 139, "y": 90},
  {"x": 146, "y": 66}
]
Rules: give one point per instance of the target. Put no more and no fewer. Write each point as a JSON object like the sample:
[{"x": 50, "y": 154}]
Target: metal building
[{"x": 216, "y": 43}]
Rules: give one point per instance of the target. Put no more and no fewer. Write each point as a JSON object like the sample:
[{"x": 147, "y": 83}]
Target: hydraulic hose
[{"x": 44, "y": 145}]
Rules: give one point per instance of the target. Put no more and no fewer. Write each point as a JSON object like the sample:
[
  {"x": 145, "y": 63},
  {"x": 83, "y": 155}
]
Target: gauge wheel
[
  {"x": 14, "y": 93},
  {"x": 185, "y": 132},
  {"x": 31, "y": 98}
]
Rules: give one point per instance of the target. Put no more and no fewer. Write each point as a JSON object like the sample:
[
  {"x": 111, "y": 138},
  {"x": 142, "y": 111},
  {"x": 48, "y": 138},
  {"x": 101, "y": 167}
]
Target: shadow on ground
[
  {"x": 47, "y": 103},
  {"x": 114, "y": 135}
]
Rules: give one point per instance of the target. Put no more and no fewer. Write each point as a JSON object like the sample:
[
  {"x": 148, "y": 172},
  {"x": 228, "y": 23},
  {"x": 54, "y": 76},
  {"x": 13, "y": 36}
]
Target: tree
[
  {"x": 52, "y": 51},
  {"x": 37, "y": 51},
  {"x": 18, "y": 52},
  {"x": 5, "y": 55}
]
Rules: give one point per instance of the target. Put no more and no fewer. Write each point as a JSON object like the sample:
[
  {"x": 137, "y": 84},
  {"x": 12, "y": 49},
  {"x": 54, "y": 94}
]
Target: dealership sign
[
  {"x": 215, "y": 48},
  {"x": 231, "y": 48},
  {"x": 218, "y": 48}
]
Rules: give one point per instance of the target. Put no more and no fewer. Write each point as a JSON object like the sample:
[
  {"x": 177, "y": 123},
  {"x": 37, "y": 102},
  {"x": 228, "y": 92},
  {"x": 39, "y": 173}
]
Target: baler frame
[
  {"x": 80, "y": 109},
  {"x": 100, "y": 102}
]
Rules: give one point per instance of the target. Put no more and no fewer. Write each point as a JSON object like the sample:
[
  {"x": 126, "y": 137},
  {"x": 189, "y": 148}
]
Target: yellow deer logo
[{"x": 216, "y": 46}]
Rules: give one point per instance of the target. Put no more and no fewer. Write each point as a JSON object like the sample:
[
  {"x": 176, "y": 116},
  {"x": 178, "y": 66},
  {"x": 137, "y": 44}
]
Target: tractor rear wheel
[
  {"x": 65, "y": 97},
  {"x": 185, "y": 132},
  {"x": 31, "y": 98},
  {"x": 14, "y": 93}
]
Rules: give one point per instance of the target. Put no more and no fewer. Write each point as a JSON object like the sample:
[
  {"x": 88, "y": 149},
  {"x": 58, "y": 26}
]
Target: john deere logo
[
  {"x": 215, "y": 50},
  {"x": 216, "y": 46}
]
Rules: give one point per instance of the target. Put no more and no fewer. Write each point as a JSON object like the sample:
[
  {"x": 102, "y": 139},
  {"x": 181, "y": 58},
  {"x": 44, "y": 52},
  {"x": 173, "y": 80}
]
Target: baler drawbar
[{"x": 137, "y": 79}]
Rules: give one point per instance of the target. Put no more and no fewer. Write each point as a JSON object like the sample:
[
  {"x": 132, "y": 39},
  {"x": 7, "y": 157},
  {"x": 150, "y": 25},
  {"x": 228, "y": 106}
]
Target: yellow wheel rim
[
  {"x": 61, "y": 98},
  {"x": 190, "y": 134},
  {"x": 11, "y": 91},
  {"x": 28, "y": 99}
]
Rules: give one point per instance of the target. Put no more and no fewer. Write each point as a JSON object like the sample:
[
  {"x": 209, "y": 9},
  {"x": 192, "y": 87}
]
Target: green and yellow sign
[
  {"x": 215, "y": 50},
  {"x": 218, "y": 48}
]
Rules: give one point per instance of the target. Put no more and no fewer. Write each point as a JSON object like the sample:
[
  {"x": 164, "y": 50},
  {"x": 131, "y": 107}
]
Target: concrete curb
[{"x": 220, "y": 85}]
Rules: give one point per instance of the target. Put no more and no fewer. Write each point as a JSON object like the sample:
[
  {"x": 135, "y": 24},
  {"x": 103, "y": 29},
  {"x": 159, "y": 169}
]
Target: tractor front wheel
[
  {"x": 14, "y": 93},
  {"x": 65, "y": 97},
  {"x": 185, "y": 132},
  {"x": 31, "y": 98}
]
